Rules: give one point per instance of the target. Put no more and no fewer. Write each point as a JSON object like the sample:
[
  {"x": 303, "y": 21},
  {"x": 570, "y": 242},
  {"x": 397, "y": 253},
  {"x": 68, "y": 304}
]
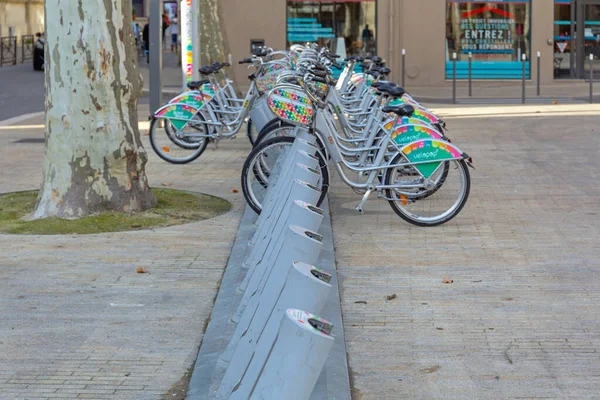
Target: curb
[
  {"x": 15, "y": 120},
  {"x": 334, "y": 381}
]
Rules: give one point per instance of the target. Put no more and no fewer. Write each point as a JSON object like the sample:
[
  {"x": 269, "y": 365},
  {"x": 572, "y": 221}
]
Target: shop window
[
  {"x": 346, "y": 27},
  {"x": 138, "y": 8},
  {"x": 496, "y": 33}
]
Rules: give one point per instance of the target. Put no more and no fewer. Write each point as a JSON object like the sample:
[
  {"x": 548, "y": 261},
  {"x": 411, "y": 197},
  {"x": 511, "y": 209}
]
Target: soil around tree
[{"x": 174, "y": 207}]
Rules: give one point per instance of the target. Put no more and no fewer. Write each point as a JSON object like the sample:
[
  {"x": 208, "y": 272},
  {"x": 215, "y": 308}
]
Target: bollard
[
  {"x": 299, "y": 244},
  {"x": 403, "y": 67},
  {"x": 454, "y": 78},
  {"x": 524, "y": 58},
  {"x": 470, "y": 74},
  {"x": 539, "y": 55},
  {"x": 591, "y": 78},
  {"x": 300, "y": 213},
  {"x": 305, "y": 287},
  {"x": 296, "y": 359}
]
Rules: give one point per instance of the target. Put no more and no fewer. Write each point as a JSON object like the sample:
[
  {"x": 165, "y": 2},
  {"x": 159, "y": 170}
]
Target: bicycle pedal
[{"x": 360, "y": 210}]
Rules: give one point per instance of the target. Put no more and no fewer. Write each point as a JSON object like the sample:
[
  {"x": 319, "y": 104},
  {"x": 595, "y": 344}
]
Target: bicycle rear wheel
[
  {"x": 259, "y": 166},
  {"x": 428, "y": 205}
]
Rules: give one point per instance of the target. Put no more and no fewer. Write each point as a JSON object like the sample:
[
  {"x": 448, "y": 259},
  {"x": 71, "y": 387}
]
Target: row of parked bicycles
[{"x": 369, "y": 130}]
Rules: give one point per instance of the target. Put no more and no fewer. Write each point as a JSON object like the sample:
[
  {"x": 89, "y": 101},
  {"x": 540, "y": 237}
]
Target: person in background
[
  {"x": 174, "y": 31},
  {"x": 165, "y": 25},
  {"x": 367, "y": 38},
  {"x": 146, "y": 39},
  {"x": 136, "y": 33}
]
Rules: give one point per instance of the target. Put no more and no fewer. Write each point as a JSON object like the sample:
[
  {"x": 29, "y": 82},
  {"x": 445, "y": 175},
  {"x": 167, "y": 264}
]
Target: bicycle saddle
[
  {"x": 403, "y": 110},
  {"x": 377, "y": 60},
  {"x": 384, "y": 71},
  {"x": 206, "y": 70},
  {"x": 382, "y": 83},
  {"x": 197, "y": 84},
  {"x": 393, "y": 91}
]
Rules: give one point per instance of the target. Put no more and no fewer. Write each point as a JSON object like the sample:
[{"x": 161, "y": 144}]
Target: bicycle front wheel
[
  {"x": 431, "y": 204},
  {"x": 260, "y": 164},
  {"x": 178, "y": 146}
]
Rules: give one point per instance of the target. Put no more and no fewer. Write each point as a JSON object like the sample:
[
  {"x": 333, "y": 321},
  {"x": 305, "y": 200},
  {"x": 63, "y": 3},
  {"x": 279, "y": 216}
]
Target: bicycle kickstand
[{"x": 365, "y": 197}]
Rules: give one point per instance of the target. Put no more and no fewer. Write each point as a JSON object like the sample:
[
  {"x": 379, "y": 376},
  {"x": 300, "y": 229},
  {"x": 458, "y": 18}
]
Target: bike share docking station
[{"x": 266, "y": 339}]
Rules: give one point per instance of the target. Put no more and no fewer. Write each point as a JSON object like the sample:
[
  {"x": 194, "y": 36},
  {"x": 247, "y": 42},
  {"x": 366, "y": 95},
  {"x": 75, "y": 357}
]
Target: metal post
[
  {"x": 156, "y": 11},
  {"x": 524, "y": 58},
  {"x": 403, "y": 67},
  {"x": 454, "y": 78},
  {"x": 591, "y": 78},
  {"x": 470, "y": 74},
  {"x": 196, "y": 32},
  {"x": 572, "y": 41},
  {"x": 539, "y": 55}
]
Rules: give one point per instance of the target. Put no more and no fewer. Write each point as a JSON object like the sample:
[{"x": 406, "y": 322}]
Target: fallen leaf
[
  {"x": 555, "y": 102},
  {"x": 477, "y": 281},
  {"x": 141, "y": 270},
  {"x": 360, "y": 302},
  {"x": 392, "y": 296},
  {"x": 146, "y": 133},
  {"x": 234, "y": 191},
  {"x": 440, "y": 329},
  {"x": 167, "y": 183},
  {"x": 447, "y": 280}
]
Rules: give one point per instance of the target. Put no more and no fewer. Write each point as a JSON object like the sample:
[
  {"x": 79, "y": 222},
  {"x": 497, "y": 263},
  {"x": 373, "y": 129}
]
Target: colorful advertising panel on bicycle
[
  {"x": 291, "y": 106},
  {"x": 428, "y": 154}
]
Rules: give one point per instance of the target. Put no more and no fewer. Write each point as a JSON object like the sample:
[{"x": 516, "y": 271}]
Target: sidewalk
[
  {"x": 507, "y": 92},
  {"x": 172, "y": 78},
  {"x": 77, "y": 321}
]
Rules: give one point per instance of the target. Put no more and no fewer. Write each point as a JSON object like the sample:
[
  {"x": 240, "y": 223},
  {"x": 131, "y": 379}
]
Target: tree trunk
[
  {"x": 94, "y": 158},
  {"x": 213, "y": 39}
]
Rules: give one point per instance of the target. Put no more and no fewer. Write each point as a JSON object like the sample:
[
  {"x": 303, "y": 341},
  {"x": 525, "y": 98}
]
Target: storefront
[
  {"x": 572, "y": 50},
  {"x": 347, "y": 27},
  {"x": 496, "y": 34}
]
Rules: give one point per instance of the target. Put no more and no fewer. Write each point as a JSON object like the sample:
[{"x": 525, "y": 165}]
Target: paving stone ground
[
  {"x": 521, "y": 319},
  {"x": 77, "y": 321}
]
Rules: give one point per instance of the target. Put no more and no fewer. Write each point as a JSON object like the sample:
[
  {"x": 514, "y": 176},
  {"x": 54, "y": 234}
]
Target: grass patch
[{"x": 174, "y": 207}]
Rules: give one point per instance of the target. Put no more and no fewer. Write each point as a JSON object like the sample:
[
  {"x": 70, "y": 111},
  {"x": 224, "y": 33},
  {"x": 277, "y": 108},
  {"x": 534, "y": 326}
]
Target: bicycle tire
[
  {"x": 163, "y": 154},
  {"x": 250, "y": 130},
  {"x": 250, "y": 164},
  {"x": 447, "y": 216}
]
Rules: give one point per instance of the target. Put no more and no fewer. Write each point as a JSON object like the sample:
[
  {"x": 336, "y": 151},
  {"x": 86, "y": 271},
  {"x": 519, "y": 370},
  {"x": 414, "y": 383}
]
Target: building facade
[
  {"x": 494, "y": 35},
  {"x": 21, "y": 17}
]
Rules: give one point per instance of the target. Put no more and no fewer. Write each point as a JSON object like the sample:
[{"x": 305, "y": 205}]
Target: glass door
[{"x": 587, "y": 36}]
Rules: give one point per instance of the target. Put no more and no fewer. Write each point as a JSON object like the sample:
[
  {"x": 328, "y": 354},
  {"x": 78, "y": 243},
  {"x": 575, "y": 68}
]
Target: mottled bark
[
  {"x": 94, "y": 158},
  {"x": 213, "y": 38}
]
